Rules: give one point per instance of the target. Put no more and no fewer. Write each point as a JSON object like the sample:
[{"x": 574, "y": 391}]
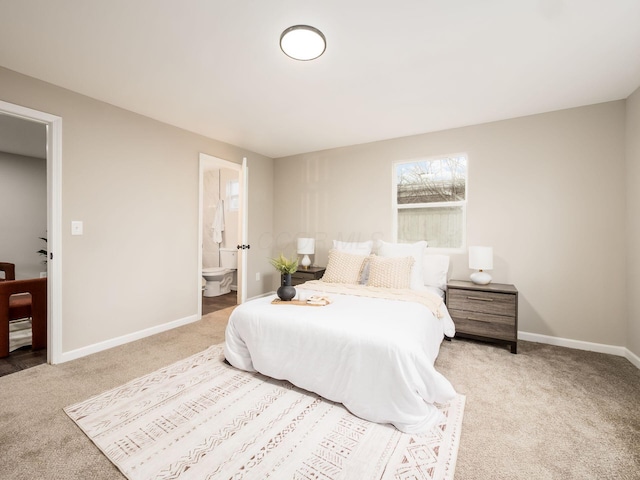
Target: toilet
[{"x": 219, "y": 279}]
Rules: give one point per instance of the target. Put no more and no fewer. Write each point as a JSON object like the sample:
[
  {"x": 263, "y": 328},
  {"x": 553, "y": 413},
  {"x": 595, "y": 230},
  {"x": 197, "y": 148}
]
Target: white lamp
[
  {"x": 302, "y": 42},
  {"x": 306, "y": 247},
  {"x": 481, "y": 258}
]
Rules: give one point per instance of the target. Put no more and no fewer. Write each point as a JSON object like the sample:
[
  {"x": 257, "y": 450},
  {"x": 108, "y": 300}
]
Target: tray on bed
[{"x": 302, "y": 303}]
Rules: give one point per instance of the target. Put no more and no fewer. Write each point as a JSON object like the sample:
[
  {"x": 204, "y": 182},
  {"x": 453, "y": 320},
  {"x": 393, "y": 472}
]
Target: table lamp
[
  {"x": 306, "y": 247},
  {"x": 481, "y": 258}
]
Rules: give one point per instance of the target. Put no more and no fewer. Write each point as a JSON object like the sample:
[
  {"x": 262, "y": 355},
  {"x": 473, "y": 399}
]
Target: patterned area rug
[{"x": 201, "y": 419}]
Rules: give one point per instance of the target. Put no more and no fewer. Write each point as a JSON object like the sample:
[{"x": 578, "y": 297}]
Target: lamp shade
[
  {"x": 481, "y": 258},
  {"x": 306, "y": 246}
]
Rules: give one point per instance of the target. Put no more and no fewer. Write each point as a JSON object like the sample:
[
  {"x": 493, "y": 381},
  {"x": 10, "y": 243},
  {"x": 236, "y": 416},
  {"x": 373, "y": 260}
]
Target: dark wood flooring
[
  {"x": 26, "y": 358},
  {"x": 213, "y": 304},
  {"x": 22, "y": 358}
]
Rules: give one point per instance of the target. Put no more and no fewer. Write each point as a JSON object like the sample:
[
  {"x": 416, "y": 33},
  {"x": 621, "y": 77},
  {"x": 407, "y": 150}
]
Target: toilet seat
[{"x": 215, "y": 270}]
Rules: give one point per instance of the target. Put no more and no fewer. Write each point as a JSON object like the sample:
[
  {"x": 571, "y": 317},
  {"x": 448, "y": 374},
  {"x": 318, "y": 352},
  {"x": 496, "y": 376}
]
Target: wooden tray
[{"x": 301, "y": 303}]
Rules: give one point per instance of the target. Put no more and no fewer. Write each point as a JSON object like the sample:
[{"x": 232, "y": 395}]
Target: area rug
[{"x": 200, "y": 418}]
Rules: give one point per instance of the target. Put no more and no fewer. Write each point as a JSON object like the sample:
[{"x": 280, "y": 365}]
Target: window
[
  {"x": 233, "y": 195},
  {"x": 431, "y": 200}
]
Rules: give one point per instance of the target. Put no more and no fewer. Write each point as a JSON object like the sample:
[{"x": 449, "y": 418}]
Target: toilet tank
[{"x": 228, "y": 258}]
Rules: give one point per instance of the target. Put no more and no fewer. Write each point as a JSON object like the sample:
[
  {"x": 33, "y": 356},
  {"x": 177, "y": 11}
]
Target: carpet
[{"x": 200, "y": 418}]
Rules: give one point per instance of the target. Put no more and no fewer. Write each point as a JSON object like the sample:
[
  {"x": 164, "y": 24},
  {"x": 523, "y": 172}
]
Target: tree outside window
[{"x": 431, "y": 199}]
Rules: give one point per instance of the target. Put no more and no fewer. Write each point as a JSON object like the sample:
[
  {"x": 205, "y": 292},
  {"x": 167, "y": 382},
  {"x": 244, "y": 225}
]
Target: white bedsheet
[{"x": 375, "y": 356}]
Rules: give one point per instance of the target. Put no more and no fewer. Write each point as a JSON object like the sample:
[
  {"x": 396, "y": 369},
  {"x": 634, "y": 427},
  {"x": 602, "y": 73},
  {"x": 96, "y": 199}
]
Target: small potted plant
[
  {"x": 43, "y": 251},
  {"x": 286, "y": 267}
]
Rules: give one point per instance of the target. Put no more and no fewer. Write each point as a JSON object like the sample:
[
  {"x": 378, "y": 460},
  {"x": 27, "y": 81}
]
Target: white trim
[
  {"x": 243, "y": 265},
  {"x": 54, "y": 221},
  {"x": 130, "y": 337},
  {"x": 581, "y": 345},
  {"x": 633, "y": 358},
  {"x": 262, "y": 295}
]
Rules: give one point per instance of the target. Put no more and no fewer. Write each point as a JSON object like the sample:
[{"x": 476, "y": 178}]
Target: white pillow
[
  {"x": 435, "y": 269},
  {"x": 415, "y": 250},
  {"x": 355, "y": 248}
]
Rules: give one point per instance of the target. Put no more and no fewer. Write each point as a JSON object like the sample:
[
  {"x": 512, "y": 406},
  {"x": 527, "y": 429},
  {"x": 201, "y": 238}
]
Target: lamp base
[
  {"x": 306, "y": 261},
  {"x": 480, "y": 278}
]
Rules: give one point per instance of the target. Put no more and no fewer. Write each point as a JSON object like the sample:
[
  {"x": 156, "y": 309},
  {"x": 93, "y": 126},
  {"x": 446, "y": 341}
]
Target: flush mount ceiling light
[{"x": 302, "y": 42}]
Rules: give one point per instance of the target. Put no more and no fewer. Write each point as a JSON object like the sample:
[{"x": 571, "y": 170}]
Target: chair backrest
[
  {"x": 37, "y": 287},
  {"x": 9, "y": 270}
]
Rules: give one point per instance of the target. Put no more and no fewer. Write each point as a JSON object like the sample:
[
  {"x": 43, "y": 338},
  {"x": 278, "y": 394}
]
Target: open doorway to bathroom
[{"x": 222, "y": 223}]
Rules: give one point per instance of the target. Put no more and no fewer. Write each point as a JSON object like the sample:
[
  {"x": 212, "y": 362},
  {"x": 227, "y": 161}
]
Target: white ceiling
[{"x": 391, "y": 69}]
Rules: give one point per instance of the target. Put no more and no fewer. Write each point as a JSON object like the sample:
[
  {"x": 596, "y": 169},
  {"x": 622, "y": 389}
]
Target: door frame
[
  {"x": 54, "y": 221},
  {"x": 208, "y": 162}
]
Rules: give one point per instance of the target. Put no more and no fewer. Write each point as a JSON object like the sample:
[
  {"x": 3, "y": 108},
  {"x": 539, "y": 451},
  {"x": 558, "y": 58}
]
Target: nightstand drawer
[
  {"x": 482, "y": 302},
  {"x": 484, "y": 325},
  {"x": 304, "y": 276}
]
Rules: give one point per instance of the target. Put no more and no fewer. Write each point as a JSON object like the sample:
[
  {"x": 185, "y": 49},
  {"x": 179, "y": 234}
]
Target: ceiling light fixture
[{"x": 302, "y": 42}]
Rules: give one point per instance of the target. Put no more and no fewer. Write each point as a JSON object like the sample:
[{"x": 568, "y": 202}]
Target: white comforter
[{"x": 375, "y": 356}]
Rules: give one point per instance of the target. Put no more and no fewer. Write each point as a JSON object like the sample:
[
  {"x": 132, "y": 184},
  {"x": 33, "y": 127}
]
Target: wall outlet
[
  {"x": 258, "y": 277},
  {"x": 76, "y": 227}
]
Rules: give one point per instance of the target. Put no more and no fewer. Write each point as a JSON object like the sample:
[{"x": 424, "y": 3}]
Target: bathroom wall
[
  {"x": 217, "y": 185},
  {"x": 211, "y": 195},
  {"x": 230, "y": 237}
]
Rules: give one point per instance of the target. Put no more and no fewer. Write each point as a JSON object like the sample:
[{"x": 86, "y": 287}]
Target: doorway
[
  {"x": 222, "y": 230},
  {"x": 53, "y": 126}
]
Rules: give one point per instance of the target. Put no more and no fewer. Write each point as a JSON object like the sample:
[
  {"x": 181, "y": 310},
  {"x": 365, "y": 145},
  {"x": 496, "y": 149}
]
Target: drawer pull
[
  {"x": 482, "y": 299},
  {"x": 479, "y": 319}
]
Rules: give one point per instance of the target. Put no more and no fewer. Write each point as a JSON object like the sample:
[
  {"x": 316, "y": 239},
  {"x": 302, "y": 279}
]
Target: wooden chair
[
  {"x": 19, "y": 306},
  {"x": 14, "y": 307},
  {"x": 9, "y": 270}
]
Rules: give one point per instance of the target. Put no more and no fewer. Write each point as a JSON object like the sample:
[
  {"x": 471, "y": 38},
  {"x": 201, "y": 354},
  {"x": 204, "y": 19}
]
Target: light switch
[{"x": 76, "y": 227}]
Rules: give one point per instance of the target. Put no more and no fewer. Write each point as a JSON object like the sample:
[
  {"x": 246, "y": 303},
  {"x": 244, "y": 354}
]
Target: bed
[{"x": 372, "y": 348}]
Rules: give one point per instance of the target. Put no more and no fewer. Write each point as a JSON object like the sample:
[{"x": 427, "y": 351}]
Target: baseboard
[
  {"x": 633, "y": 358},
  {"x": 262, "y": 295},
  {"x": 581, "y": 345},
  {"x": 114, "y": 342}
]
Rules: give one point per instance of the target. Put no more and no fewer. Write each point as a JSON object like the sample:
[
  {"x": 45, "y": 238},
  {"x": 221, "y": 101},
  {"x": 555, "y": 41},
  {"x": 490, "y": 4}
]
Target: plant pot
[{"x": 286, "y": 291}]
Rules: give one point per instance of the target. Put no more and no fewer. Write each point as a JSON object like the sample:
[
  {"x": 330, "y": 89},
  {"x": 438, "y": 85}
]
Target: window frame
[{"x": 460, "y": 203}]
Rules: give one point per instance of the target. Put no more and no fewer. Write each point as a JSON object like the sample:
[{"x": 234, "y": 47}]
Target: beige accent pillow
[
  {"x": 390, "y": 272},
  {"x": 343, "y": 267}
]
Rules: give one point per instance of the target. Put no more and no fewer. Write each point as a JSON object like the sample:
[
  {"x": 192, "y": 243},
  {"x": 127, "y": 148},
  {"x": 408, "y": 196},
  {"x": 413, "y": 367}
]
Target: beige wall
[
  {"x": 133, "y": 182},
  {"x": 23, "y": 212},
  {"x": 546, "y": 191},
  {"x": 633, "y": 221}
]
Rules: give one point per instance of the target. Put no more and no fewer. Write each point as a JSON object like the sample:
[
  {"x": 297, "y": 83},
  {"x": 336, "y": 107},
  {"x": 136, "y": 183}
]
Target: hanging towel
[{"x": 218, "y": 222}]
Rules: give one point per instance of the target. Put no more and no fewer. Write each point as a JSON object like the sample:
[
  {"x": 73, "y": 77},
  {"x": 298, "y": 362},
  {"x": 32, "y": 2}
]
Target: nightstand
[
  {"x": 484, "y": 312},
  {"x": 305, "y": 274}
]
